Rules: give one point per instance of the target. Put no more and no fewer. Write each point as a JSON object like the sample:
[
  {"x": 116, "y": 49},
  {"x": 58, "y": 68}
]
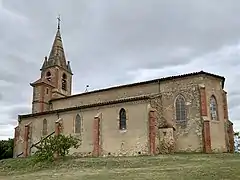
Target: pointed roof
[
  {"x": 44, "y": 63},
  {"x": 69, "y": 67},
  {"x": 57, "y": 54}
]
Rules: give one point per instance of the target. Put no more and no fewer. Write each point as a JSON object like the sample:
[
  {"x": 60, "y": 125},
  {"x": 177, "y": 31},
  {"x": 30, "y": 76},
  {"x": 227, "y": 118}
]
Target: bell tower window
[
  {"x": 48, "y": 76},
  {"x": 64, "y": 81}
]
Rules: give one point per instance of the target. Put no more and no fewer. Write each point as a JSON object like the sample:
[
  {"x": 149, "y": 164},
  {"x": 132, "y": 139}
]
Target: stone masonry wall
[
  {"x": 135, "y": 139},
  {"x": 166, "y": 141},
  {"x": 90, "y": 98},
  {"x": 188, "y": 135},
  {"x": 112, "y": 141},
  {"x": 217, "y": 127}
]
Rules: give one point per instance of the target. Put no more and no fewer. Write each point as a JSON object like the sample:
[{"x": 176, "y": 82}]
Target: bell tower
[{"x": 56, "y": 76}]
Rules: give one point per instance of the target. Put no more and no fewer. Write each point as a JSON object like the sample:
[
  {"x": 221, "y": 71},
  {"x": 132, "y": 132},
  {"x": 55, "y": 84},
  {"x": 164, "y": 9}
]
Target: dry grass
[{"x": 179, "y": 167}]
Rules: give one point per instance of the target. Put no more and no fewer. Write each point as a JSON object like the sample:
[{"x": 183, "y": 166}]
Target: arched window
[
  {"x": 180, "y": 109},
  {"x": 122, "y": 119},
  {"x": 78, "y": 124},
  {"x": 213, "y": 108},
  {"x": 44, "y": 130},
  {"x": 48, "y": 76},
  {"x": 64, "y": 81}
]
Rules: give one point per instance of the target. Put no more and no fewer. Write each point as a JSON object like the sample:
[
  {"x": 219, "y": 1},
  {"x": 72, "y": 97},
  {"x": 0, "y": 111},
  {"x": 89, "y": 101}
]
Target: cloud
[{"x": 117, "y": 42}]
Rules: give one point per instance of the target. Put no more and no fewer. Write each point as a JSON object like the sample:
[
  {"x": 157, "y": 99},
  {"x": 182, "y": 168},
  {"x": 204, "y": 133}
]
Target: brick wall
[
  {"x": 96, "y": 136},
  {"x": 152, "y": 132}
]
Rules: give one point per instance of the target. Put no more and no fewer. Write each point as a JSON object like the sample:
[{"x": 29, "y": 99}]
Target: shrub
[{"x": 60, "y": 145}]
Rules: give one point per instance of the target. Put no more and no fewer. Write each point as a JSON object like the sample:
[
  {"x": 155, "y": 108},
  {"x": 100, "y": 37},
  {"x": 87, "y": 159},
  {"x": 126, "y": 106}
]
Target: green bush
[{"x": 49, "y": 147}]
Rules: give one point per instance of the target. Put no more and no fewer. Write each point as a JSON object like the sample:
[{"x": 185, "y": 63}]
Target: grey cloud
[
  {"x": 9, "y": 114},
  {"x": 233, "y": 101},
  {"x": 5, "y": 131},
  {"x": 112, "y": 42},
  {"x": 8, "y": 122},
  {"x": 138, "y": 30},
  {"x": 233, "y": 93},
  {"x": 14, "y": 112},
  {"x": 8, "y": 77}
]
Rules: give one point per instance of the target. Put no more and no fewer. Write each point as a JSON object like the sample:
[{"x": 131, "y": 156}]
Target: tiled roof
[
  {"x": 136, "y": 98},
  {"x": 146, "y": 82},
  {"x": 39, "y": 81},
  {"x": 57, "y": 55}
]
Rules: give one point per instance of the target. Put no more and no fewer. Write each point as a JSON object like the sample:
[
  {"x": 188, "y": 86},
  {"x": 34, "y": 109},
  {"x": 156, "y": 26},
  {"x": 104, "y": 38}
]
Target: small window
[
  {"x": 48, "y": 76},
  {"x": 180, "y": 109},
  {"x": 213, "y": 108},
  {"x": 122, "y": 119},
  {"x": 78, "y": 124},
  {"x": 64, "y": 76},
  {"x": 44, "y": 130},
  {"x": 64, "y": 81},
  {"x": 47, "y": 91}
]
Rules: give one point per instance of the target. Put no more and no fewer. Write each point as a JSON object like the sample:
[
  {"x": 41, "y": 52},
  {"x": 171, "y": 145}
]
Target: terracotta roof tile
[
  {"x": 146, "y": 82},
  {"x": 40, "y": 81}
]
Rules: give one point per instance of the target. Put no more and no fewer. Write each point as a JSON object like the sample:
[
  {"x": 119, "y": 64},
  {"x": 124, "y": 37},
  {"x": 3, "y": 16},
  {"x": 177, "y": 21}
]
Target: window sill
[
  {"x": 77, "y": 134},
  {"x": 122, "y": 130},
  {"x": 215, "y": 121}
]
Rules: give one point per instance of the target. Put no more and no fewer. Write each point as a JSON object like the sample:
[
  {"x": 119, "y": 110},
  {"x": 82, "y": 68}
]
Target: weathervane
[{"x": 59, "y": 20}]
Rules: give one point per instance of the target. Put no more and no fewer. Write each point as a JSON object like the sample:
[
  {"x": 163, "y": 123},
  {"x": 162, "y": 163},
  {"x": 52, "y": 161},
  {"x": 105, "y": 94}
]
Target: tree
[
  {"x": 6, "y": 148},
  {"x": 49, "y": 147}
]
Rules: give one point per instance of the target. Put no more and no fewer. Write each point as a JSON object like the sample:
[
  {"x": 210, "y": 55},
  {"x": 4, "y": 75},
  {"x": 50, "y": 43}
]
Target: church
[{"x": 184, "y": 113}]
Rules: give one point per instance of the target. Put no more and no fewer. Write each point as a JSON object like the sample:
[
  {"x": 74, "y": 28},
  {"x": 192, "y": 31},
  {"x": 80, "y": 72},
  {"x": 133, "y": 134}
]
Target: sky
[{"x": 113, "y": 42}]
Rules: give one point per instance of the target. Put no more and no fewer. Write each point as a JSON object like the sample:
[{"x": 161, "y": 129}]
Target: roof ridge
[{"x": 145, "y": 82}]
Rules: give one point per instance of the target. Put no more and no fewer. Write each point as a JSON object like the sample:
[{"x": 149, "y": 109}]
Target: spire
[
  {"x": 57, "y": 55},
  {"x": 69, "y": 67},
  {"x": 45, "y": 63}
]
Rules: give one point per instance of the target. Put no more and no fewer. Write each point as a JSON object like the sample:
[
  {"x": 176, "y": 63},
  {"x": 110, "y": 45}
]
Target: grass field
[{"x": 164, "y": 167}]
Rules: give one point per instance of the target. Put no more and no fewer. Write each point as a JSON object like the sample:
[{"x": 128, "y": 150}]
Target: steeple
[
  {"x": 56, "y": 77},
  {"x": 57, "y": 55}
]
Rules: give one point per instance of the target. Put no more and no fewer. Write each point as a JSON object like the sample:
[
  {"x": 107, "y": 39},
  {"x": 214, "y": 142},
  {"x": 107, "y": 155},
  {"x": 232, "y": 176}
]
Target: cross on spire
[
  {"x": 57, "y": 55},
  {"x": 59, "y": 20}
]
